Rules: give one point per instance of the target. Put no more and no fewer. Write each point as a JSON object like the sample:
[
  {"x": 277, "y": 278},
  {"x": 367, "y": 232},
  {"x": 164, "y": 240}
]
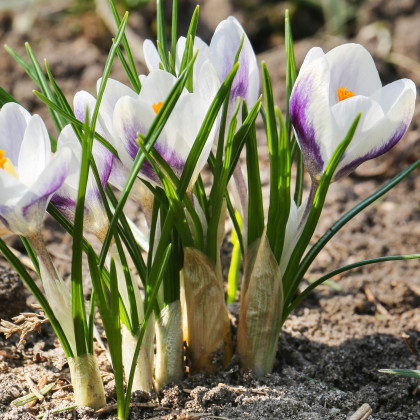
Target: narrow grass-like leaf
[
  {"x": 6, "y": 97},
  {"x": 39, "y": 296},
  {"x": 175, "y": 202},
  {"x": 235, "y": 264},
  {"x": 75, "y": 122},
  {"x": 408, "y": 373},
  {"x": 218, "y": 191},
  {"x": 161, "y": 36},
  {"x": 319, "y": 245},
  {"x": 45, "y": 88},
  {"x": 340, "y": 270},
  {"x": 189, "y": 44},
  {"x": 78, "y": 306},
  {"x": 255, "y": 200},
  {"x": 204, "y": 132},
  {"x": 21, "y": 61},
  {"x": 149, "y": 140},
  {"x": 223, "y": 122},
  {"x": 158, "y": 270},
  {"x": 290, "y": 281},
  {"x": 133, "y": 74},
  {"x": 283, "y": 188},
  {"x": 248, "y": 123},
  {"x": 299, "y": 179},
  {"x": 174, "y": 33},
  {"x": 291, "y": 72},
  {"x": 274, "y": 150},
  {"x": 110, "y": 318}
]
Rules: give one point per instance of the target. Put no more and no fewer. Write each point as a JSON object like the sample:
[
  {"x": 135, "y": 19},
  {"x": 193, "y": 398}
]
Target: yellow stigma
[
  {"x": 156, "y": 107},
  {"x": 343, "y": 93},
  {"x": 7, "y": 165}
]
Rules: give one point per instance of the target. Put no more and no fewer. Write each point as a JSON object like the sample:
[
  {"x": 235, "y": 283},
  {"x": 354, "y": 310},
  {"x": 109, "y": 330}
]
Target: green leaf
[
  {"x": 319, "y": 245},
  {"x": 291, "y": 282},
  {"x": 255, "y": 200},
  {"x": 45, "y": 88},
  {"x": 174, "y": 33},
  {"x": 5, "y": 97},
  {"x": 283, "y": 189},
  {"x": 149, "y": 140},
  {"x": 78, "y": 305},
  {"x": 132, "y": 72},
  {"x": 409, "y": 373},
  {"x": 161, "y": 36},
  {"x": 219, "y": 189},
  {"x": 158, "y": 270},
  {"x": 189, "y": 45},
  {"x": 340, "y": 270},
  {"x": 274, "y": 151}
]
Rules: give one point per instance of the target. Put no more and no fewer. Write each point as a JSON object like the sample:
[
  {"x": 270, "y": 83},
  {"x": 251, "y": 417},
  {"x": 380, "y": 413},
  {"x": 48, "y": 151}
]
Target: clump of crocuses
[{"x": 196, "y": 110}]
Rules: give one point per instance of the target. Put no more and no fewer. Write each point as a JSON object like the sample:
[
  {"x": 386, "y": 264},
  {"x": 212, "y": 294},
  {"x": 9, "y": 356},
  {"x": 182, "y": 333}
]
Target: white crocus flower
[
  {"x": 29, "y": 173},
  {"x": 330, "y": 91},
  {"x": 221, "y": 52},
  {"x": 65, "y": 198},
  {"x": 133, "y": 116}
]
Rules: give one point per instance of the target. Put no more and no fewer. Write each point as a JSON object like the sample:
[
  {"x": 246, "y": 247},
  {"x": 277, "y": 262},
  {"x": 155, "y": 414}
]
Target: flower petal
[
  {"x": 131, "y": 116},
  {"x": 397, "y": 100},
  {"x": 114, "y": 90},
  {"x": 13, "y": 122},
  {"x": 223, "y": 49},
  {"x": 352, "y": 67},
  {"x": 156, "y": 87},
  {"x": 312, "y": 126},
  {"x": 35, "y": 151},
  {"x": 151, "y": 55}
]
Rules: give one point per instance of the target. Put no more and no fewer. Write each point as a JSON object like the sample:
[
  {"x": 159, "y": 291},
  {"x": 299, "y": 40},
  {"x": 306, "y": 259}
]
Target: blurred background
[{"x": 75, "y": 35}]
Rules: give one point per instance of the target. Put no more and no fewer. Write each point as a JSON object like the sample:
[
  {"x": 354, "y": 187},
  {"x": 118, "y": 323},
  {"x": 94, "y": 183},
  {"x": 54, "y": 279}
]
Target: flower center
[
  {"x": 343, "y": 93},
  {"x": 7, "y": 165},
  {"x": 156, "y": 107}
]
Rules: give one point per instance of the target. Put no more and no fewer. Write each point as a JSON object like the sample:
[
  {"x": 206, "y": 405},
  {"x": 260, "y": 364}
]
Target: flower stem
[
  {"x": 309, "y": 203},
  {"x": 87, "y": 383},
  {"x": 57, "y": 294}
]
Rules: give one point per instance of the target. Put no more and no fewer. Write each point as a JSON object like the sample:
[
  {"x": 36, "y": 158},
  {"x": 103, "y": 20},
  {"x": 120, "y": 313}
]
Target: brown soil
[{"x": 332, "y": 347}]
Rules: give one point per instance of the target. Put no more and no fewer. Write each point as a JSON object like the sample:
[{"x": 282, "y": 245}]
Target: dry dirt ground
[{"x": 332, "y": 347}]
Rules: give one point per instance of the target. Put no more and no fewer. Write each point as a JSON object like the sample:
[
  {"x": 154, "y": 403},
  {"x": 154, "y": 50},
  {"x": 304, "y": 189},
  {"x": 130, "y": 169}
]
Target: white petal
[
  {"x": 83, "y": 100},
  {"x": 131, "y": 116},
  {"x": 344, "y": 114},
  {"x": 53, "y": 175},
  {"x": 311, "y": 115},
  {"x": 352, "y": 67},
  {"x": 13, "y": 122},
  {"x": 223, "y": 50},
  {"x": 398, "y": 99},
  {"x": 156, "y": 87},
  {"x": 151, "y": 55},
  {"x": 11, "y": 189},
  {"x": 208, "y": 84},
  {"x": 114, "y": 90},
  {"x": 313, "y": 54},
  {"x": 35, "y": 151}
]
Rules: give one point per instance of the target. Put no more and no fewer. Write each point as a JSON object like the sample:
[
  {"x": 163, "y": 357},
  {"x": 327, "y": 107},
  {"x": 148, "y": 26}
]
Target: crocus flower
[
  {"x": 135, "y": 115},
  {"x": 29, "y": 173},
  {"x": 65, "y": 198},
  {"x": 330, "y": 91},
  {"x": 221, "y": 52}
]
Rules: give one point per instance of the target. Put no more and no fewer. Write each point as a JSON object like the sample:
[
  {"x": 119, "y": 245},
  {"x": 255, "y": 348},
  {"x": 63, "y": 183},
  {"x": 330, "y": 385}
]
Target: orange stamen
[
  {"x": 156, "y": 107},
  {"x": 343, "y": 93},
  {"x": 7, "y": 165}
]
